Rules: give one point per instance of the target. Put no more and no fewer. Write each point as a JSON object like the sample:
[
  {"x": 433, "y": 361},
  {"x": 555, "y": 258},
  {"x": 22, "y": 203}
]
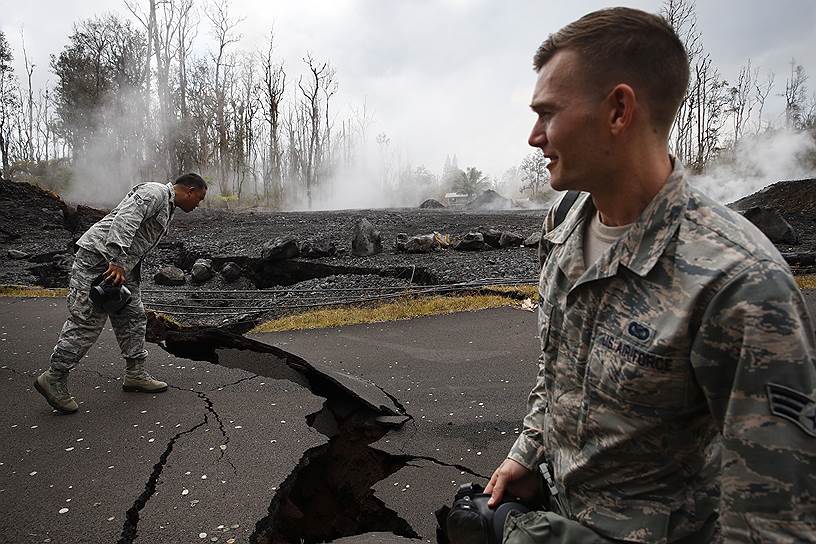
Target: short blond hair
[{"x": 625, "y": 45}]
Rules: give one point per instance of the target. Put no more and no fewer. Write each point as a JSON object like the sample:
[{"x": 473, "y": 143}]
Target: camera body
[
  {"x": 470, "y": 521},
  {"x": 109, "y": 298}
]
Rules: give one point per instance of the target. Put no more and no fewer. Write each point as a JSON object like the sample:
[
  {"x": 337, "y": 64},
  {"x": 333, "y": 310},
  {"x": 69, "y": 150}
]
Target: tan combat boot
[
  {"x": 138, "y": 380},
  {"x": 54, "y": 387}
]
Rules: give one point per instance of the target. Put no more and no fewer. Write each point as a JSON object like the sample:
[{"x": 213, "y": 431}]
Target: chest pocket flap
[{"x": 636, "y": 374}]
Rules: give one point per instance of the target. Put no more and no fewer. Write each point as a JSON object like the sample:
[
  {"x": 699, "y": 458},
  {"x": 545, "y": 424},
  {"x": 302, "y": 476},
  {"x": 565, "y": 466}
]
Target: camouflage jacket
[
  {"x": 134, "y": 226},
  {"x": 676, "y": 378}
]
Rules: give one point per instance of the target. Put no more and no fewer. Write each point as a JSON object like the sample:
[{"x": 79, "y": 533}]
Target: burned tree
[
  {"x": 223, "y": 27},
  {"x": 8, "y": 102},
  {"x": 272, "y": 88},
  {"x": 316, "y": 90},
  {"x": 534, "y": 174},
  {"x": 741, "y": 99},
  {"x": 696, "y": 132},
  {"x": 795, "y": 93}
]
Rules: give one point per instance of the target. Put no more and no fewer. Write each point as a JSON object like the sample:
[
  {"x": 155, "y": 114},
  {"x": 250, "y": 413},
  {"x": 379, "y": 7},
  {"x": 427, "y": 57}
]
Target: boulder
[
  {"x": 431, "y": 203},
  {"x": 401, "y": 241},
  {"x": 231, "y": 272},
  {"x": 169, "y": 275},
  {"x": 17, "y": 254},
  {"x": 510, "y": 239},
  {"x": 315, "y": 248},
  {"x": 472, "y": 241},
  {"x": 425, "y": 243},
  {"x": 284, "y": 247},
  {"x": 532, "y": 240},
  {"x": 800, "y": 259},
  {"x": 491, "y": 236},
  {"x": 772, "y": 224},
  {"x": 202, "y": 271},
  {"x": 366, "y": 240}
]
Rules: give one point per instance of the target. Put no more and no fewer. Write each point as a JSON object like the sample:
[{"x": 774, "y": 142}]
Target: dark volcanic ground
[{"x": 42, "y": 227}]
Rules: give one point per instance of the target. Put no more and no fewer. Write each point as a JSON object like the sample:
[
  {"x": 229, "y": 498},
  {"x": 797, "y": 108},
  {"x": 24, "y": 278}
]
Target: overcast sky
[{"x": 442, "y": 76}]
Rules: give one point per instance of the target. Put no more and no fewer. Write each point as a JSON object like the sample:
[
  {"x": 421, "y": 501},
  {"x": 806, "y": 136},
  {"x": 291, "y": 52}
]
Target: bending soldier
[{"x": 112, "y": 250}]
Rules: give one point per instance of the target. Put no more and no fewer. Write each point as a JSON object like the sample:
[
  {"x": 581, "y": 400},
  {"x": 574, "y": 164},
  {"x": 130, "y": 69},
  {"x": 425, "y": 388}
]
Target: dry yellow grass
[
  {"x": 806, "y": 282},
  {"x": 404, "y": 308},
  {"x": 25, "y": 291}
]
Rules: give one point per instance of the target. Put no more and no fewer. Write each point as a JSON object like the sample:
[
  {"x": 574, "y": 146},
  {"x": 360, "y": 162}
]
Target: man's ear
[{"x": 622, "y": 101}]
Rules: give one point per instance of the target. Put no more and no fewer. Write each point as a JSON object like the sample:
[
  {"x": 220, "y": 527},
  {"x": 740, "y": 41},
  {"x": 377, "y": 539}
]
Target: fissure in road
[{"x": 329, "y": 493}]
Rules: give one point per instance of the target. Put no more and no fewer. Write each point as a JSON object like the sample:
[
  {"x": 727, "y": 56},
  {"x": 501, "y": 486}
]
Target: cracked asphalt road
[{"x": 207, "y": 457}]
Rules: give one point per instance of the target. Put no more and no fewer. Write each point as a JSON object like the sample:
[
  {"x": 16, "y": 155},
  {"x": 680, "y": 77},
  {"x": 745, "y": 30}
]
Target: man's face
[
  {"x": 191, "y": 197},
  {"x": 570, "y": 128}
]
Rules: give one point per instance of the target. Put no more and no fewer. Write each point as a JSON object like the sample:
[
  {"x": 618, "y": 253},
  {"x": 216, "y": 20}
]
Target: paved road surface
[
  {"x": 231, "y": 438},
  {"x": 214, "y": 449}
]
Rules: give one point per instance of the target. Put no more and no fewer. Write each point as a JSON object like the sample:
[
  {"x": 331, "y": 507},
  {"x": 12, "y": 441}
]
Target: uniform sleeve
[
  {"x": 529, "y": 446},
  {"x": 544, "y": 246},
  {"x": 528, "y": 449},
  {"x": 754, "y": 356},
  {"x": 141, "y": 203}
]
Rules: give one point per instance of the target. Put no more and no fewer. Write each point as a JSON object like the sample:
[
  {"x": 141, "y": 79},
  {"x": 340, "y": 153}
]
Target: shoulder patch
[{"x": 794, "y": 406}]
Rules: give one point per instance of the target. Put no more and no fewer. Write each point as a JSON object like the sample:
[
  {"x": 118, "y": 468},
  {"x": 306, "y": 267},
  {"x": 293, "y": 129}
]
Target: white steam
[
  {"x": 114, "y": 158},
  {"x": 757, "y": 162}
]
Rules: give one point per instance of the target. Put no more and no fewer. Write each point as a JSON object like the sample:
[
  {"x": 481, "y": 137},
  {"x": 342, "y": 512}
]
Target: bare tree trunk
[{"x": 223, "y": 27}]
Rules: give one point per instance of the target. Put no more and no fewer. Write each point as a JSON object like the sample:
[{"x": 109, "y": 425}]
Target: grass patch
[
  {"x": 403, "y": 308},
  {"x": 806, "y": 282},
  {"x": 25, "y": 291}
]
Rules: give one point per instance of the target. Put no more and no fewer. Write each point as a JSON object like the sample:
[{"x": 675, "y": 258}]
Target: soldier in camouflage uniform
[
  {"x": 674, "y": 399},
  {"x": 114, "y": 247}
]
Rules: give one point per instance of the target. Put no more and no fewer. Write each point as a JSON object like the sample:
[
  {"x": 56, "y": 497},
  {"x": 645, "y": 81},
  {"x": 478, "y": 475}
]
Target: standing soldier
[
  {"x": 674, "y": 400},
  {"x": 112, "y": 251}
]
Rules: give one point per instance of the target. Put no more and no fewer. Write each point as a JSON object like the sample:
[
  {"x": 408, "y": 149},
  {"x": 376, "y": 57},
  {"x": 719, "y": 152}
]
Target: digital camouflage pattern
[
  {"x": 134, "y": 226},
  {"x": 123, "y": 237},
  {"x": 85, "y": 322},
  {"x": 652, "y": 396}
]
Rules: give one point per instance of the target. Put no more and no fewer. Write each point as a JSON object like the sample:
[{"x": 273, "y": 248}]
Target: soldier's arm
[
  {"x": 144, "y": 202},
  {"x": 549, "y": 223},
  {"x": 754, "y": 358},
  {"x": 528, "y": 450}
]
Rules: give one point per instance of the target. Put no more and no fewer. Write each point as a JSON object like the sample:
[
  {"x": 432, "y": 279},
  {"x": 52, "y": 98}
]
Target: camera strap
[{"x": 556, "y": 500}]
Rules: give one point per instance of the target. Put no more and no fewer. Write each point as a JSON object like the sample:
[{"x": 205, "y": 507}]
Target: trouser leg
[
  {"x": 80, "y": 331},
  {"x": 541, "y": 527},
  {"x": 130, "y": 326}
]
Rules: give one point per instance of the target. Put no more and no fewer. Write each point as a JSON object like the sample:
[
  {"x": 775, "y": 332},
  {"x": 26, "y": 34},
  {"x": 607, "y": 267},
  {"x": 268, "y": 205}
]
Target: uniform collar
[
  {"x": 646, "y": 241},
  {"x": 638, "y": 249},
  {"x": 172, "y": 193}
]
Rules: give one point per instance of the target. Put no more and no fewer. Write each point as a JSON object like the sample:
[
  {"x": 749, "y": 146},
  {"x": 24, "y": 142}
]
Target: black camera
[
  {"x": 109, "y": 298},
  {"x": 470, "y": 521}
]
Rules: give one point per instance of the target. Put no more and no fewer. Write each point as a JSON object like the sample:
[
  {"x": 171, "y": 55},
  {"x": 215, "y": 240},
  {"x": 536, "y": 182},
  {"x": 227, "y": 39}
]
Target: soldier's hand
[
  {"x": 513, "y": 478},
  {"x": 114, "y": 274}
]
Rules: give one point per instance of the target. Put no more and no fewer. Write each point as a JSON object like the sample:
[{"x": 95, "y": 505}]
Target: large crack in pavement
[
  {"x": 329, "y": 493},
  {"x": 130, "y": 528},
  {"x": 132, "y": 515}
]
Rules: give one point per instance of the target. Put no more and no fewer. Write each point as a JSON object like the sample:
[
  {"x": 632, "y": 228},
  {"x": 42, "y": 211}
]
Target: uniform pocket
[
  {"x": 89, "y": 260},
  {"x": 635, "y": 375}
]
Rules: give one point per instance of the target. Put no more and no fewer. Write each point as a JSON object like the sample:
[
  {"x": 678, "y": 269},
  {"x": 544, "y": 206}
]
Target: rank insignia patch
[{"x": 794, "y": 406}]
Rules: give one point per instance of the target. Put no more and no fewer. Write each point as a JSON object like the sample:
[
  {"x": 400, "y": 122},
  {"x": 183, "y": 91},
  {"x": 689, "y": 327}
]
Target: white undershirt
[{"x": 598, "y": 237}]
